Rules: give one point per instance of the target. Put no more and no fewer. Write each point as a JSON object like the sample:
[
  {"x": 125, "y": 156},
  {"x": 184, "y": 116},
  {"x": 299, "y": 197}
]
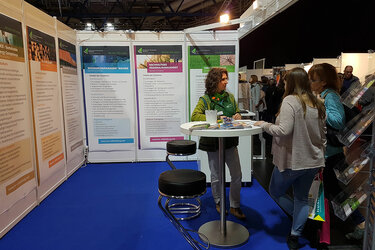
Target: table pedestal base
[{"x": 236, "y": 234}]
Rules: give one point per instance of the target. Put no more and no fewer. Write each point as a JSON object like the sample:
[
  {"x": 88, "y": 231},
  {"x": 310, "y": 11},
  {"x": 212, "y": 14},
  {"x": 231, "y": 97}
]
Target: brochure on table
[
  {"x": 17, "y": 175},
  {"x": 161, "y": 99},
  {"x": 109, "y": 96}
]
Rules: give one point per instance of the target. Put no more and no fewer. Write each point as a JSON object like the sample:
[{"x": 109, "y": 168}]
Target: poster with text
[
  {"x": 109, "y": 98},
  {"x": 161, "y": 94},
  {"x": 200, "y": 60},
  {"x": 46, "y": 98},
  {"x": 17, "y": 175},
  {"x": 72, "y": 100}
]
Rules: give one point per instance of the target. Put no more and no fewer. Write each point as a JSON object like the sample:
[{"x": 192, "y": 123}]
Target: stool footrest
[{"x": 183, "y": 209}]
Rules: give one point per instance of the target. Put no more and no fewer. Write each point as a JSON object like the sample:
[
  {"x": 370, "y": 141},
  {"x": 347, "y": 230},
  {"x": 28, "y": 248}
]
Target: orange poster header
[
  {"x": 48, "y": 66},
  {"x": 55, "y": 160}
]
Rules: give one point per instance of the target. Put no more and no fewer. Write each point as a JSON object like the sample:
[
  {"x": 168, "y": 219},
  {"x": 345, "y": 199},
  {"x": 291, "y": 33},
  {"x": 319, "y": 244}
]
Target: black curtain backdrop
[{"x": 312, "y": 29}]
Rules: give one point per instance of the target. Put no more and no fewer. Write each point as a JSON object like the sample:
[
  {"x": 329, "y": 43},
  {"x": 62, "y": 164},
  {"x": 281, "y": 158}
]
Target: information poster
[
  {"x": 109, "y": 98},
  {"x": 161, "y": 94},
  {"x": 201, "y": 59},
  {"x": 17, "y": 176},
  {"x": 72, "y": 100},
  {"x": 46, "y": 103}
]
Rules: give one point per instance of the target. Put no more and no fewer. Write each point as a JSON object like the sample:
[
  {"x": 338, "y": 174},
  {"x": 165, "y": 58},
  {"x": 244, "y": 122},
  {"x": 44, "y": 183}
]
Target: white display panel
[
  {"x": 201, "y": 58},
  {"x": 160, "y": 94},
  {"x": 72, "y": 103},
  {"x": 109, "y": 95},
  {"x": 17, "y": 174},
  {"x": 46, "y": 96}
]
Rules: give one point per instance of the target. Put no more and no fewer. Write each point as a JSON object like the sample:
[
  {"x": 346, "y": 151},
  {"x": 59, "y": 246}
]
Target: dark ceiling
[
  {"x": 312, "y": 29},
  {"x": 155, "y": 15}
]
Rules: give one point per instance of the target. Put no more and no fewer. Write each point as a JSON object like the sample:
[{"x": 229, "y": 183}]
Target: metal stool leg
[
  {"x": 184, "y": 232},
  {"x": 185, "y": 208}
]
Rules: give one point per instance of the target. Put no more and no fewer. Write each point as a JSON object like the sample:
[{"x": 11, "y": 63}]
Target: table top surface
[{"x": 185, "y": 129}]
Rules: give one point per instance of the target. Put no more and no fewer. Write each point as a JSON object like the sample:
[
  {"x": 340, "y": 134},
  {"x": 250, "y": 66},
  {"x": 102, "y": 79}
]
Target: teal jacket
[
  {"x": 229, "y": 107},
  {"x": 335, "y": 117}
]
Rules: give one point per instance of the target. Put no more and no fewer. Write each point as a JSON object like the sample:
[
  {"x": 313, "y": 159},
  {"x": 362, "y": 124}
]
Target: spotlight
[
  {"x": 109, "y": 26},
  {"x": 224, "y": 18},
  {"x": 255, "y": 5},
  {"x": 89, "y": 26}
]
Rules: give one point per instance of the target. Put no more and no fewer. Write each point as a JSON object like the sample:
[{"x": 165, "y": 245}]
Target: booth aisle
[{"x": 101, "y": 209}]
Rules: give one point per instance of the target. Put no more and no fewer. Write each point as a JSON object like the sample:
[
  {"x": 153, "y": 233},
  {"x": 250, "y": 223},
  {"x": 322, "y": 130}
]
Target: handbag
[{"x": 316, "y": 199}]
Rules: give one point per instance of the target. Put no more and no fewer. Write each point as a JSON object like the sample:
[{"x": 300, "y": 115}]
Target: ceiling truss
[{"x": 155, "y": 15}]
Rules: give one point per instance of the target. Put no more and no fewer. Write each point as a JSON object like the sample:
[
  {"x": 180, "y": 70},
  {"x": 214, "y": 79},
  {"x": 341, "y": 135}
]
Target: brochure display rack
[
  {"x": 368, "y": 240},
  {"x": 357, "y": 171},
  {"x": 353, "y": 172}
]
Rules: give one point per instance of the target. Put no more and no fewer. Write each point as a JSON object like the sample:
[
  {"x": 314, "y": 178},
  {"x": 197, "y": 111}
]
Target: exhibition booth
[{"x": 70, "y": 97}]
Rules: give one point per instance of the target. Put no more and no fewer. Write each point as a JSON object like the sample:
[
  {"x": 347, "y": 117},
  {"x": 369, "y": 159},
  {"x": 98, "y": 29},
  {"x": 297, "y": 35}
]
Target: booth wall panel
[
  {"x": 169, "y": 93},
  {"x": 18, "y": 190},
  {"x": 11, "y": 217},
  {"x": 50, "y": 184},
  {"x": 50, "y": 159},
  {"x": 72, "y": 98},
  {"x": 115, "y": 152}
]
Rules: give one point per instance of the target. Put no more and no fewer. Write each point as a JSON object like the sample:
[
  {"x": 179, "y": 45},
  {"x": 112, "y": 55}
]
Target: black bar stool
[{"x": 181, "y": 185}]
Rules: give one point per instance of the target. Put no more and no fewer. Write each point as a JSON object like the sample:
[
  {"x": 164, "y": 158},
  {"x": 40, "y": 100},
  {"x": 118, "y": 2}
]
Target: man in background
[{"x": 349, "y": 79}]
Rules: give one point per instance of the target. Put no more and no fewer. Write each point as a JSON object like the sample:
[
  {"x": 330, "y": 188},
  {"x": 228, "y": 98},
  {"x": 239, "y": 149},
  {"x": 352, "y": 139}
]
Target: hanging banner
[
  {"x": 109, "y": 98},
  {"x": 200, "y": 60},
  {"x": 17, "y": 177},
  {"x": 46, "y": 103},
  {"x": 72, "y": 100},
  {"x": 160, "y": 94}
]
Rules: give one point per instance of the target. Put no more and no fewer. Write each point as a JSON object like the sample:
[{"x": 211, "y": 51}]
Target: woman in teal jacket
[
  {"x": 217, "y": 98},
  {"x": 325, "y": 82}
]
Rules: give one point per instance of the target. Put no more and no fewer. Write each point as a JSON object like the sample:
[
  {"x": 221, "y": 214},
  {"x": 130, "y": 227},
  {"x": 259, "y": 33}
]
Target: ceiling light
[
  {"x": 109, "y": 26},
  {"x": 224, "y": 18},
  {"x": 255, "y": 5},
  {"x": 89, "y": 26}
]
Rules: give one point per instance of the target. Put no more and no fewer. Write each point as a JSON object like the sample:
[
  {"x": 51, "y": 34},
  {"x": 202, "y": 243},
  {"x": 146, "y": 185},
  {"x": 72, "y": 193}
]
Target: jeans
[
  {"x": 301, "y": 181},
  {"x": 233, "y": 162}
]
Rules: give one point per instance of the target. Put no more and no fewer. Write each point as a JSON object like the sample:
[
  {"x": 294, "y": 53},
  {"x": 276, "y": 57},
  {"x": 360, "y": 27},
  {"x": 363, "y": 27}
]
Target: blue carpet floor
[{"x": 114, "y": 206}]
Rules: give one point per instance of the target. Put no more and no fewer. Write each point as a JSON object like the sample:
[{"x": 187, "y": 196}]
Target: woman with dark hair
[
  {"x": 297, "y": 148},
  {"x": 326, "y": 84},
  {"x": 217, "y": 98}
]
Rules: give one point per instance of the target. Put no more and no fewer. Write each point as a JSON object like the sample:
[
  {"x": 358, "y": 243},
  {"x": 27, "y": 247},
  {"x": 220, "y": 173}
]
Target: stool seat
[
  {"x": 181, "y": 147},
  {"x": 182, "y": 182}
]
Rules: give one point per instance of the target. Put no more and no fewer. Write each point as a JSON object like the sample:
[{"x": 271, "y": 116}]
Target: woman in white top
[{"x": 297, "y": 147}]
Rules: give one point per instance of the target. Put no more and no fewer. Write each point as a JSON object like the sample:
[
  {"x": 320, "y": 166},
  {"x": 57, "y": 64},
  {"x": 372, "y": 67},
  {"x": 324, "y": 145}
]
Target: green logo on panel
[
  {"x": 31, "y": 35},
  {"x": 140, "y": 50},
  {"x": 86, "y": 51},
  {"x": 194, "y": 51}
]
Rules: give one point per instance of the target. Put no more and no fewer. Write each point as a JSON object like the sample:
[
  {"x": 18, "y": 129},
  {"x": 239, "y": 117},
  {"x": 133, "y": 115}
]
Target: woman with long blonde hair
[{"x": 297, "y": 147}]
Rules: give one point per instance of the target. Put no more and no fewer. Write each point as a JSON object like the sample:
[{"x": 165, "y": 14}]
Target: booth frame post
[{"x": 369, "y": 235}]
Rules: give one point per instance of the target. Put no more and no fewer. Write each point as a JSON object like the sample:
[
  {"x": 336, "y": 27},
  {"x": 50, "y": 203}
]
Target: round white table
[{"x": 222, "y": 233}]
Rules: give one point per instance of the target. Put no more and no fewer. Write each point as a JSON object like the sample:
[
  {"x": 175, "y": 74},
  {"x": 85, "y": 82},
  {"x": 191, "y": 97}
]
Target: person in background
[
  {"x": 325, "y": 83},
  {"x": 264, "y": 83},
  {"x": 254, "y": 93},
  {"x": 297, "y": 147},
  {"x": 273, "y": 99},
  {"x": 341, "y": 80},
  {"x": 257, "y": 95},
  {"x": 243, "y": 93},
  {"x": 217, "y": 98},
  {"x": 349, "y": 79}
]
